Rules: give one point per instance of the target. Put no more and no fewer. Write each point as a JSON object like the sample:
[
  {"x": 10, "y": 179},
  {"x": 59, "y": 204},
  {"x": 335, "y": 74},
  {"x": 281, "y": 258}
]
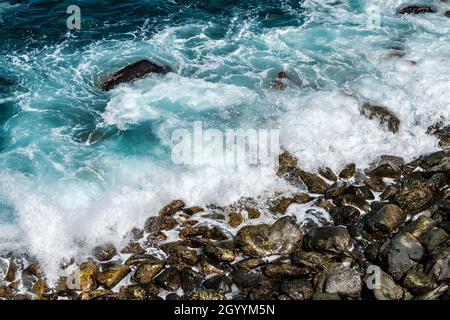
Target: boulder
[
  {"x": 383, "y": 115},
  {"x": 220, "y": 283},
  {"x": 344, "y": 281},
  {"x": 146, "y": 271},
  {"x": 280, "y": 205},
  {"x": 401, "y": 254},
  {"x": 348, "y": 172},
  {"x": 137, "y": 70},
  {"x": 416, "y": 9},
  {"x": 414, "y": 199},
  {"x": 328, "y": 174},
  {"x": 190, "y": 280},
  {"x": 112, "y": 276},
  {"x": 314, "y": 261},
  {"x": 264, "y": 240},
  {"x": 387, "y": 219},
  {"x": 418, "y": 283},
  {"x": 328, "y": 239},
  {"x": 282, "y": 271},
  {"x": 83, "y": 279},
  {"x": 169, "y": 279},
  {"x": 297, "y": 289},
  {"x": 387, "y": 289},
  {"x": 386, "y": 166}
]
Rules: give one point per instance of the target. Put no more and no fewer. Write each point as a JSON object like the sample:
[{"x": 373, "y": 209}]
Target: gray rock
[
  {"x": 388, "y": 289},
  {"x": 343, "y": 281},
  {"x": 400, "y": 254}
]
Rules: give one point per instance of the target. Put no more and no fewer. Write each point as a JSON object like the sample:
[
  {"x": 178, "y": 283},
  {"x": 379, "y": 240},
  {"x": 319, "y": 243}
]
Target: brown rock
[
  {"x": 235, "y": 219},
  {"x": 383, "y": 115},
  {"x": 84, "y": 278},
  {"x": 414, "y": 199},
  {"x": 348, "y": 172},
  {"x": 280, "y": 205},
  {"x": 137, "y": 70},
  {"x": 172, "y": 208},
  {"x": 112, "y": 276},
  {"x": 327, "y": 173},
  {"x": 133, "y": 248},
  {"x": 105, "y": 252},
  {"x": 328, "y": 239},
  {"x": 146, "y": 271},
  {"x": 389, "y": 218}
]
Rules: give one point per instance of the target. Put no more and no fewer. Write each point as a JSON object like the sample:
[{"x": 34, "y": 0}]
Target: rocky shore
[{"x": 378, "y": 233}]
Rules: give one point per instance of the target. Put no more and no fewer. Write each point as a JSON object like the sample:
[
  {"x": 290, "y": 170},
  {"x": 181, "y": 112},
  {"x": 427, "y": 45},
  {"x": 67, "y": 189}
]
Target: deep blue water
[{"x": 80, "y": 164}]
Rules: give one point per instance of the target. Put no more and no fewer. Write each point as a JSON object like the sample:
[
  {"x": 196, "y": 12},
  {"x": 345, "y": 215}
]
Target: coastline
[{"x": 392, "y": 218}]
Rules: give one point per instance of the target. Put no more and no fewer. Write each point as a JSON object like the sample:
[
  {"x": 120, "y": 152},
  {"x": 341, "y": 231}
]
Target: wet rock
[
  {"x": 414, "y": 199},
  {"x": 386, "y": 220},
  {"x": 383, "y": 115},
  {"x": 438, "y": 266},
  {"x": 136, "y": 234},
  {"x": 388, "y": 289},
  {"x": 169, "y": 279},
  {"x": 253, "y": 285},
  {"x": 105, "y": 252},
  {"x": 181, "y": 256},
  {"x": 348, "y": 172},
  {"x": 191, "y": 232},
  {"x": 328, "y": 239},
  {"x": 313, "y": 219},
  {"x": 172, "y": 208},
  {"x": 216, "y": 233},
  {"x": 353, "y": 200},
  {"x": 91, "y": 295},
  {"x": 210, "y": 267},
  {"x": 190, "y": 280},
  {"x": 264, "y": 240},
  {"x": 327, "y": 173},
  {"x": 235, "y": 219},
  {"x": 434, "y": 238},
  {"x": 322, "y": 203},
  {"x": 10, "y": 275},
  {"x": 386, "y": 166},
  {"x": 133, "y": 248},
  {"x": 447, "y": 14},
  {"x": 206, "y": 295},
  {"x": 313, "y": 182},
  {"x": 280, "y": 205},
  {"x": 193, "y": 210},
  {"x": 140, "y": 292},
  {"x": 420, "y": 226},
  {"x": 388, "y": 193},
  {"x": 220, "y": 283},
  {"x": 415, "y": 10},
  {"x": 400, "y": 254},
  {"x": 311, "y": 260},
  {"x": 6, "y": 292},
  {"x": 344, "y": 215},
  {"x": 287, "y": 163},
  {"x": 253, "y": 213},
  {"x": 136, "y": 259},
  {"x": 112, "y": 276},
  {"x": 83, "y": 279},
  {"x": 284, "y": 271},
  {"x": 343, "y": 281},
  {"x": 434, "y": 294},
  {"x": 325, "y": 296},
  {"x": 376, "y": 184},
  {"x": 249, "y": 264},
  {"x": 156, "y": 224},
  {"x": 418, "y": 283},
  {"x": 220, "y": 252},
  {"x": 146, "y": 271},
  {"x": 137, "y": 70},
  {"x": 336, "y": 189},
  {"x": 297, "y": 289}
]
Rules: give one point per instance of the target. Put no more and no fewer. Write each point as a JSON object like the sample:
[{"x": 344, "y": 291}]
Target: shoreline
[{"x": 324, "y": 243}]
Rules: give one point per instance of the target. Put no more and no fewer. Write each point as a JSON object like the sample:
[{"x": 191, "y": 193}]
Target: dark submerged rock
[
  {"x": 137, "y": 70},
  {"x": 416, "y": 9}
]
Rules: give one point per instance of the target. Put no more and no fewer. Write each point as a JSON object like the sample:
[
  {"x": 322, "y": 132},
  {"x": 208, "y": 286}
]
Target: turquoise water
[{"x": 80, "y": 166}]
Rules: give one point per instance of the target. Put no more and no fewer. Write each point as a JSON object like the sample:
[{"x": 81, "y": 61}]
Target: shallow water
[{"x": 79, "y": 166}]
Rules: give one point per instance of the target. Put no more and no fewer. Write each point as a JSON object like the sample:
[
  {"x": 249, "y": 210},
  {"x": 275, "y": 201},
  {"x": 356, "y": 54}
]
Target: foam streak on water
[{"x": 59, "y": 195}]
